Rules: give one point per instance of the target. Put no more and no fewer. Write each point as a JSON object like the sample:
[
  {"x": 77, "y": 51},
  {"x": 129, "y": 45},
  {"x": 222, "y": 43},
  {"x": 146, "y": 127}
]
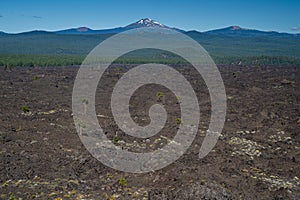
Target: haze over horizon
[{"x": 21, "y": 16}]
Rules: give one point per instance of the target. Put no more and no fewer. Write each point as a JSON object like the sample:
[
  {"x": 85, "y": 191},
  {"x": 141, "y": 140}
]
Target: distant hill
[
  {"x": 35, "y": 32},
  {"x": 88, "y": 31},
  {"x": 238, "y": 31}
]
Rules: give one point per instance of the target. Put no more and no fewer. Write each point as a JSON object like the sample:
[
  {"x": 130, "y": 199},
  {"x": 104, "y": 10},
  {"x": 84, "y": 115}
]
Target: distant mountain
[
  {"x": 80, "y": 30},
  {"x": 146, "y": 22},
  {"x": 239, "y": 31}
]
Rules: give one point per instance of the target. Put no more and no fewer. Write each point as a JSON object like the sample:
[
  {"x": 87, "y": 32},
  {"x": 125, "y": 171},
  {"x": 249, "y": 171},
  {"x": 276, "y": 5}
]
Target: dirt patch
[{"x": 256, "y": 157}]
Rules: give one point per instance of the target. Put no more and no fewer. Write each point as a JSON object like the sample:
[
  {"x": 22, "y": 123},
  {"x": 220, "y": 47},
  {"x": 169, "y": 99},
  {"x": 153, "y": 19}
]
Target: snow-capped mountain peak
[
  {"x": 146, "y": 22},
  {"x": 149, "y": 22},
  {"x": 235, "y": 28}
]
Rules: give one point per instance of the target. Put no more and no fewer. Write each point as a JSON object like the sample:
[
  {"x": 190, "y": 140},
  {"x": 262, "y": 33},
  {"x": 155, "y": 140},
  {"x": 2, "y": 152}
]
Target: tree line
[{"x": 70, "y": 60}]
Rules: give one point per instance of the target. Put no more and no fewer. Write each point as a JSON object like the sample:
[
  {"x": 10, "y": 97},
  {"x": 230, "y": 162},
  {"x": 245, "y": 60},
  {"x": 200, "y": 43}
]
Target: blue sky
[{"x": 201, "y": 15}]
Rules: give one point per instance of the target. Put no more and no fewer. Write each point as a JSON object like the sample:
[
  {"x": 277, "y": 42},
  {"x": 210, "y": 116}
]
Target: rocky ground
[{"x": 256, "y": 157}]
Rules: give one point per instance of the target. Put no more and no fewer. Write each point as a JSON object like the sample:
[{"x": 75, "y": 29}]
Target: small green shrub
[
  {"x": 178, "y": 98},
  {"x": 234, "y": 74},
  {"x": 35, "y": 77},
  {"x": 160, "y": 94},
  {"x": 123, "y": 182},
  {"x": 12, "y": 197},
  {"x": 5, "y": 184},
  {"x": 116, "y": 139},
  {"x": 85, "y": 101},
  {"x": 178, "y": 121},
  {"x": 25, "y": 109}
]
